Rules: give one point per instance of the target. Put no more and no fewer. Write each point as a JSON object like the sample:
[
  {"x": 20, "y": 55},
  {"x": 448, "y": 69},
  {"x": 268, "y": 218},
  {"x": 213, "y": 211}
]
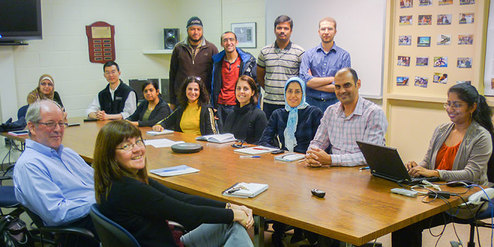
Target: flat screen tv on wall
[{"x": 20, "y": 20}]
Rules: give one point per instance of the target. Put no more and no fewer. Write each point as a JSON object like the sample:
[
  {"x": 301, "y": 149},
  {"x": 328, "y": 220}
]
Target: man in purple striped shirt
[{"x": 352, "y": 119}]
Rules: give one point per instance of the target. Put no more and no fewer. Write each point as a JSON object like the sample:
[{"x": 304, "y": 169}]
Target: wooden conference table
[{"x": 358, "y": 207}]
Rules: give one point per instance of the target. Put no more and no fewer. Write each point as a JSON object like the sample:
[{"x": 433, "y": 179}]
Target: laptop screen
[{"x": 384, "y": 162}]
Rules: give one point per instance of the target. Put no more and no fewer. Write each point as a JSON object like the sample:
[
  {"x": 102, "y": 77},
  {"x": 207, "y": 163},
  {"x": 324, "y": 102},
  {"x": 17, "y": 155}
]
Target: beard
[{"x": 195, "y": 40}]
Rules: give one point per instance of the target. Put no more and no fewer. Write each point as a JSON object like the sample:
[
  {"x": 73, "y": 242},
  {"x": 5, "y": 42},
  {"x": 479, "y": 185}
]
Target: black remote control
[{"x": 318, "y": 193}]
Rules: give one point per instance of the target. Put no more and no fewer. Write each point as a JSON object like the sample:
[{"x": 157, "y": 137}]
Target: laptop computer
[{"x": 385, "y": 162}]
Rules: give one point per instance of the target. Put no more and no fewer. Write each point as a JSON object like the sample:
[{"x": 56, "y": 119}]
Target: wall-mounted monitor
[{"x": 20, "y": 20}]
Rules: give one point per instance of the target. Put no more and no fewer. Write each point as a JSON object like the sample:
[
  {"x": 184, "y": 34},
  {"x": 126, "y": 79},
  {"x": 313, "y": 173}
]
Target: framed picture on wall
[{"x": 246, "y": 34}]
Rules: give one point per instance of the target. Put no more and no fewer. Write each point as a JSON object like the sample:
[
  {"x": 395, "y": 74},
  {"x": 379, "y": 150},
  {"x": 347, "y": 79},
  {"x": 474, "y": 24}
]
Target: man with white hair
[{"x": 51, "y": 180}]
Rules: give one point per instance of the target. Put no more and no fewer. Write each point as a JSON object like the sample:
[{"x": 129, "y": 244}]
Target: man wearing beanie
[{"x": 191, "y": 57}]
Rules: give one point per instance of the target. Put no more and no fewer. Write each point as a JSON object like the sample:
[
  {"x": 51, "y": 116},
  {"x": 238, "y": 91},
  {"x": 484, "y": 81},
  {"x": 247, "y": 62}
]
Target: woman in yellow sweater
[{"x": 194, "y": 114}]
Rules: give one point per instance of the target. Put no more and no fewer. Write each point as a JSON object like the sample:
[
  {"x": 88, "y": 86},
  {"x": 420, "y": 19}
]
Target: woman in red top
[{"x": 459, "y": 150}]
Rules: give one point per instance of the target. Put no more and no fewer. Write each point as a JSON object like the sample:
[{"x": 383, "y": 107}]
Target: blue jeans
[
  {"x": 321, "y": 104},
  {"x": 226, "y": 235}
]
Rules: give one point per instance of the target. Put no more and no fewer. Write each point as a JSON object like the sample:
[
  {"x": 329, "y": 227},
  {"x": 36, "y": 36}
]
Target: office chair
[
  {"x": 21, "y": 113},
  {"x": 56, "y": 235},
  {"x": 7, "y": 194},
  {"x": 111, "y": 233},
  {"x": 476, "y": 221}
]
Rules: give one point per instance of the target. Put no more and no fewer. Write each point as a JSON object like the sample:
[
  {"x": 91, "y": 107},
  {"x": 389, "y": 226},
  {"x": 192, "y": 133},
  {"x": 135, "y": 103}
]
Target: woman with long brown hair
[
  {"x": 143, "y": 206},
  {"x": 194, "y": 114}
]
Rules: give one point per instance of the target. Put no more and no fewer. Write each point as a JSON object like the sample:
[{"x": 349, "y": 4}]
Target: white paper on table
[{"x": 161, "y": 143}]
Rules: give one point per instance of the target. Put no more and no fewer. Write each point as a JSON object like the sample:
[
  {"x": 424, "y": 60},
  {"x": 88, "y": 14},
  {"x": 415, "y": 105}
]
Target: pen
[
  {"x": 364, "y": 168},
  {"x": 249, "y": 156}
]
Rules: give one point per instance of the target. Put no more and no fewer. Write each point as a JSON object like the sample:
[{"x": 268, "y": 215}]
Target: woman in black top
[
  {"x": 151, "y": 111},
  {"x": 193, "y": 101},
  {"x": 246, "y": 122},
  {"x": 143, "y": 206}
]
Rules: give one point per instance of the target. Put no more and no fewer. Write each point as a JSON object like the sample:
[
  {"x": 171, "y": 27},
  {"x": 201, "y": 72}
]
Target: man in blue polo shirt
[
  {"x": 51, "y": 180},
  {"x": 320, "y": 64}
]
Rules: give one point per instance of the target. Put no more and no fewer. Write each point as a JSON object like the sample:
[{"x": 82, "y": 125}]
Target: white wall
[
  {"x": 63, "y": 52},
  {"x": 8, "y": 96},
  {"x": 218, "y": 15}
]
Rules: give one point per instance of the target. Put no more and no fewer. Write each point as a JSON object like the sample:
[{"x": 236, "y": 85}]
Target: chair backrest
[
  {"x": 110, "y": 233},
  {"x": 490, "y": 165},
  {"x": 22, "y": 112}
]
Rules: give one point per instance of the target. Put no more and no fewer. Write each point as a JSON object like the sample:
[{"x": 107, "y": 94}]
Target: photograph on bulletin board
[
  {"x": 403, "y": 61},
  {"x": 440, "y": 61},
  {"x": 406, "y": 20},
  {"x": 465, "y": 39},
  {"x": 423, "y": 41},
  {"x": 445, "y": 2},
  {"x": 421, "y": 81},
  {"x": 464, "y": 62},
  {"x": 402, "y": 81},
  {"x": 422, "y": 61},
  {"x": 444, "y": 19},
  {"x": 466, "y": 18},
  {"x": 467, "y": 2},
  {"x": 443, "y": 39},
  {"x": 406, "y": 3},
  {"x": 440, "y": 78},
  {"x": 405, "y": 40},
  {"x": 425, "y": 2},
  {"x": 425, "y": 20}
]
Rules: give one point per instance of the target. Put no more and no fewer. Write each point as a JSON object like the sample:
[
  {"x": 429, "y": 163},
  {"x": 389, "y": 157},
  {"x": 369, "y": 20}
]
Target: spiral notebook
[{"x": 245, "y": 190}]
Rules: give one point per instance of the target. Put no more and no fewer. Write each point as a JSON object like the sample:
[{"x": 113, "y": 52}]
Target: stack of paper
[
  {"x": 255, "y": 150},
  {"x": 245, "y": 190},
  {"x": 161, "y": 143},
  {"x": 157, "y": 133},
  {"x": 19, "y": 132},
  {"x": 289, "y": 157},
  {"x": 174, "y": 171},
  {"x": 218, "y": 138}
]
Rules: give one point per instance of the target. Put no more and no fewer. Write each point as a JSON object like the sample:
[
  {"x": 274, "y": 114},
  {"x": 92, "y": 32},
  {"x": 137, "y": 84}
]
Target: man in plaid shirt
[{"x": 352, "y": 119}]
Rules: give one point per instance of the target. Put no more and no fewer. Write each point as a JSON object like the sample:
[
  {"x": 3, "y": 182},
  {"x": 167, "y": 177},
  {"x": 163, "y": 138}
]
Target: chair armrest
[
  {"x": 68, "y": 230},
  {"x": 5, "y": 178},
  {"x": 9, "y": 168}
]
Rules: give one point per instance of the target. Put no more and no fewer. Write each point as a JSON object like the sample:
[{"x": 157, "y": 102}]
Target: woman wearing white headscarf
[
  {"x": 291, "y": 128},
  {"x": 296, "y": 124},
  {"x": 45, "y": 90}
]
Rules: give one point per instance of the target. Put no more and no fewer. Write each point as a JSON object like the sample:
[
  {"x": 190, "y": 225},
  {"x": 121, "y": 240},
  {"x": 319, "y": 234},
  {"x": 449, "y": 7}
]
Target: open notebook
[{"x": 218, "y": 138}]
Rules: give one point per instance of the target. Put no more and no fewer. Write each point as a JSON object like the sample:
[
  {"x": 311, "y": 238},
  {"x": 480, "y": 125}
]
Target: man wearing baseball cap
[{"x": 191, "y": 57}]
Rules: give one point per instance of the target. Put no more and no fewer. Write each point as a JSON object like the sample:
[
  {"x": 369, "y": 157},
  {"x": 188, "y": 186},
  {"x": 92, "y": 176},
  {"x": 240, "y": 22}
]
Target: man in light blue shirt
[
  {"x": 51, "y": 180},
  {"x": 320, "y": 64}
]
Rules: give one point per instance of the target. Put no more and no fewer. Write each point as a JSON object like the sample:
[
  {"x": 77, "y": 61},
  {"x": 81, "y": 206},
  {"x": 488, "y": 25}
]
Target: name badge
[{"x": 118, "y": 98}]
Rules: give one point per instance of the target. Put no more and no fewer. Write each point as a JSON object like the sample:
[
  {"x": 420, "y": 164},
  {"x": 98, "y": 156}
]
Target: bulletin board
[{"x": 435, "y": 44}]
